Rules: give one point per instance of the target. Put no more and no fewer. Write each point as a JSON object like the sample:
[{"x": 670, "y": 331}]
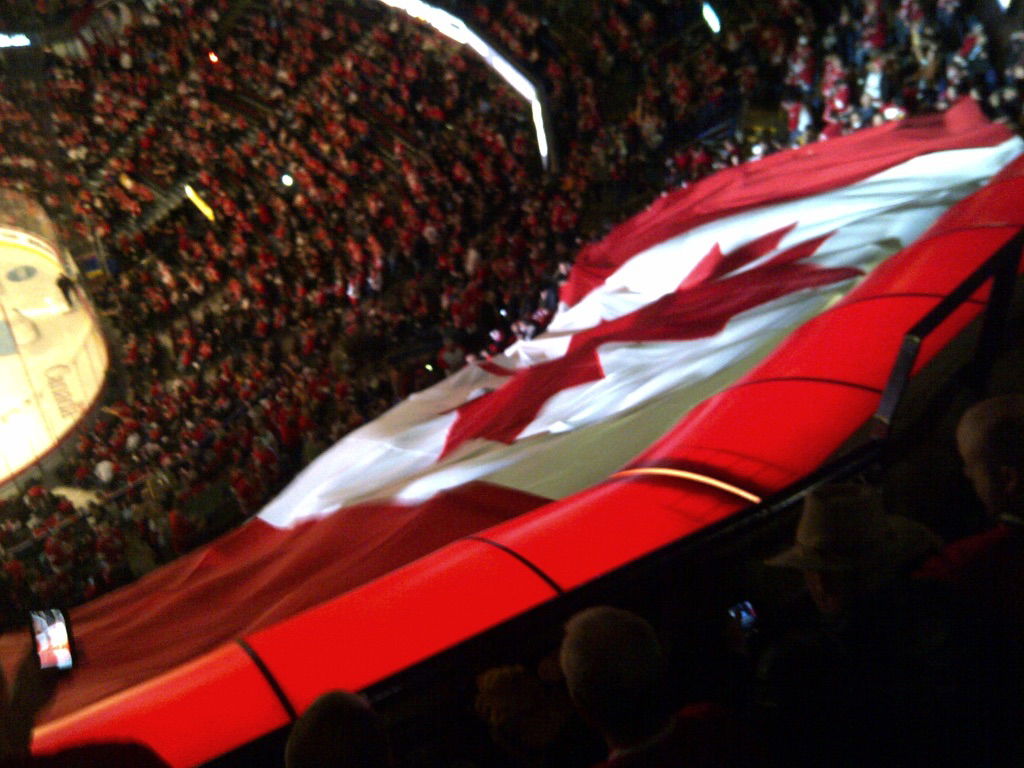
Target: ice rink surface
[{"x": 52, "y": 357}]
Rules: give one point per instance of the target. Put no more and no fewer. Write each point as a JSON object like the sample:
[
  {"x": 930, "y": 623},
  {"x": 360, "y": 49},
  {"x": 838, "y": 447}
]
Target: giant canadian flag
[
  {"x": 671, "y": 307},
  {"x": 658, "y": 323}
]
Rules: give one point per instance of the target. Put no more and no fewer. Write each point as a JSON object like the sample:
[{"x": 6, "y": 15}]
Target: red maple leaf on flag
[{"x": 714, "y": 292}]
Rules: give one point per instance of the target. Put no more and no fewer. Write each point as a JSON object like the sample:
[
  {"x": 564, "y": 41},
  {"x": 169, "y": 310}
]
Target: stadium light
[
  {"x": 199, "y": 203},
  {"x": 287, "y": 180},
  {"x": 455, "y": 29},
  {"x": 711, "y": 18},
  {"x": 14, "y": 41}
]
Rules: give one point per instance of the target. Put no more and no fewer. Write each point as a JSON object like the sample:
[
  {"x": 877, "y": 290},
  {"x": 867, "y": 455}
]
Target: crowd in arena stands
[
  {"x": 252, "y": 343},
  {"x": 49, "y": 12},
  {"x": 102, "y": 73},
  {"x": 417, "y": 229},
  {"x": 102, "y": 88}
]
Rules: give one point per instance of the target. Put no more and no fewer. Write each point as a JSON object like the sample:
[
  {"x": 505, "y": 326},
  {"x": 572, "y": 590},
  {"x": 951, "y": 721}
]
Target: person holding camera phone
[{"x": 34, "y": 687}]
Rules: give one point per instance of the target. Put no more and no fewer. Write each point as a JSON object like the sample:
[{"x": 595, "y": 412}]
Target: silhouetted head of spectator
[
  {"x": 523, "y": 714},
  {"x": 339, "y": 730},
  {"x": 990, "y": 438},
  {"x": 846, "y": 546},
  {"x": 615, "y": 672}
]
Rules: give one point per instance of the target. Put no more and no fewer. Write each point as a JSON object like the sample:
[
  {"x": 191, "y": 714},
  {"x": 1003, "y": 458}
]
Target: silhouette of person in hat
[
  {"x": 847, "y": 547},
  {"x": 868, "y": 681}
]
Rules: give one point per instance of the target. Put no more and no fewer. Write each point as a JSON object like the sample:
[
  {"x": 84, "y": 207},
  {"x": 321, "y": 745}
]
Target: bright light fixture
[
  {"x": 455, "y": 28},
  {"x": 287, "y": 180},
  {"x": 14, "y": 41},
  {"x": 213, "y": 57},
  {"x": 199, "y": 203},
  {"x": 711, "y": 18}
]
